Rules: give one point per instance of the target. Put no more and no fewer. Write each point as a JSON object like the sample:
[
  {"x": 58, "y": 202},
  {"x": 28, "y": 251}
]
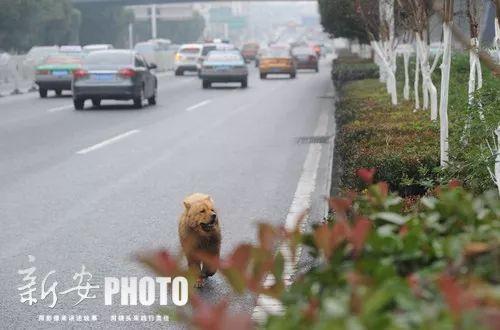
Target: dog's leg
[
  {"x": 197, "y": 266},
  {"x": 210, "y": 270},
  {"x": 207, "y": 271}
]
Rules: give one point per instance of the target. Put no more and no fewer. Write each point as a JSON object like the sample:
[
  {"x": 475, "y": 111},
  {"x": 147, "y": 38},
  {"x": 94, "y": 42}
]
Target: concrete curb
[{"x": 267, "y": 305}]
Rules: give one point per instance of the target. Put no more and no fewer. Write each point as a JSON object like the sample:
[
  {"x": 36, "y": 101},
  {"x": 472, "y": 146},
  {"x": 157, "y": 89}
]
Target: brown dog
[{"x": 199, "y": 232}]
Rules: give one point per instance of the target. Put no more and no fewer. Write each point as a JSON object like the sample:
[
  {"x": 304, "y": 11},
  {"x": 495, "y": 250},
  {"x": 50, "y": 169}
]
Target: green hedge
[
  {"x": 379, "y": 268},
  {"x": 351, "y": 68},
  {"x": 401, "y": 144}
]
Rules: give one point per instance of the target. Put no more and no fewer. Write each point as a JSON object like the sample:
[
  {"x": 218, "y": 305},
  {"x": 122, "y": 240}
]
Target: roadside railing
[{"x": 15, "y": 78}]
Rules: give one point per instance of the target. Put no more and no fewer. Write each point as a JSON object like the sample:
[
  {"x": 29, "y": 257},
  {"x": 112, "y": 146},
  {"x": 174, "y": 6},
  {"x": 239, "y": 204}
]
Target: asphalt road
[{"x": 93, "y": 187}]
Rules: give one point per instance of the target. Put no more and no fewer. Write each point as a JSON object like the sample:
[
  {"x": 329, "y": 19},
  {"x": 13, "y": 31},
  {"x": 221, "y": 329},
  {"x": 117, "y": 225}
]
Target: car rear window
[
  {"x": 107, "y": 58},
  {"x": 250, "y": 47},
  {"x": 189, "y": 50},
  {"x": 145, "y": 47},
  {"x": 224, "y": 57},
  {"x": 302, "y": 51},
  {"x": 277, "y": 52},
  {"x": 208, "y": 49},
  {"x": 62, "y": 59}
]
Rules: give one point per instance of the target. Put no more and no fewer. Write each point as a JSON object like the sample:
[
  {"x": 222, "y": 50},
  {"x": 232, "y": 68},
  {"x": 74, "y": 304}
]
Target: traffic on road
[{"x": 99, "y": 72}]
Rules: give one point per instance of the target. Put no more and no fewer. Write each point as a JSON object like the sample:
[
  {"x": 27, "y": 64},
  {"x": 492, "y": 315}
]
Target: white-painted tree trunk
[
  {"x": 429, "y": 90},
  {"x": 497, "y": 160},
  {"x": 387, "y": 47},
  {"x": 416, "y": 85},
  {"x": 474, "y": 85},
  {"x": 495, "y": 151},
  {"x": 497, "y": 37},
  {"x": 474, "y": 70},
  {"x": 406, "y": 89},
  {"x": 445, "y": 86},
  {"x": 387, "y": 68}
]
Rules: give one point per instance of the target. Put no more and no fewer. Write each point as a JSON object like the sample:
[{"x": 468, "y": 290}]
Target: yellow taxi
[{"x": 276, "y": 60}]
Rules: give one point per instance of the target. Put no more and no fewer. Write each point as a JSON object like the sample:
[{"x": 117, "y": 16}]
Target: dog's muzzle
[{"x": 210, "y": 225}]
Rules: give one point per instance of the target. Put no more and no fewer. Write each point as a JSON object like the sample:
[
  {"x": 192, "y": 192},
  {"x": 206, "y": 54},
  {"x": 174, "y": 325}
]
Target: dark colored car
[
  {"x": 114, "y": 75},
  {"x": 224, "y": 66},
  {"x": 305, "y": 58},
  {"x": 250, "y": 51}
]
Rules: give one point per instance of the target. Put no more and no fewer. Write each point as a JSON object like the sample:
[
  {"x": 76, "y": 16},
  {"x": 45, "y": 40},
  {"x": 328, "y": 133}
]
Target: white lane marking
[
  {"x": 107, "y": 142},
  {"x": 66, "y": 107},
  {"x": 301, "y": 202},
  {"x": 198, "y": 105}
]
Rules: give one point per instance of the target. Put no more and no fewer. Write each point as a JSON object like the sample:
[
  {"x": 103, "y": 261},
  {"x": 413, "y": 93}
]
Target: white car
[
  {"x": 187, "y": 58},
  {"x": 35, "y": 57}
]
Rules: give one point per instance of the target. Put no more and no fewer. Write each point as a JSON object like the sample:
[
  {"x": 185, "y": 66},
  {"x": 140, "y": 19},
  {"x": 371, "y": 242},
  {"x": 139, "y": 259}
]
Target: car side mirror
[{"x": 152, "y": 66}]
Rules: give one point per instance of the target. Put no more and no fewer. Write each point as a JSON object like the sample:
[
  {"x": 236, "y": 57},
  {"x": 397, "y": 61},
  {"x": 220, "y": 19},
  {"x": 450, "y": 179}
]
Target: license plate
[
  {"x": 221, "y": 68},
  {"x": 275, "y": 70},
  {"x": 103, "y": 77},
  {"x": 59, "y": 72}
]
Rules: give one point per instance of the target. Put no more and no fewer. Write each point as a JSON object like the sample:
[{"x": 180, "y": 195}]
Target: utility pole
[
  {"x": 131, "y": 35},
  {"x": 153, "y": 22}
]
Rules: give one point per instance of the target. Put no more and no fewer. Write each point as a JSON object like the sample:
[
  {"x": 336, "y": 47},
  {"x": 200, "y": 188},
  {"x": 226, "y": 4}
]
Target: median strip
[{"x": 107, "y": 142}]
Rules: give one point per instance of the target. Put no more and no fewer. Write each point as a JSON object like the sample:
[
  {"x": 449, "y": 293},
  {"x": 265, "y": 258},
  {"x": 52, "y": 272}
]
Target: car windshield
[
  {"x": 224, "y": 57},
  {"x": 107, "y": 58},
  {"x": 189, "y": 50},
  {"x": 62, "y": 59},
  {"x": 208, "y": 49},
  {"x": 276, "y": 52}
]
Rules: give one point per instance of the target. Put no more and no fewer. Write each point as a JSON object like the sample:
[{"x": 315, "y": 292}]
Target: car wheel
[
  {"x": 42, "y": 92},
  {"x": 179, "y": 72},
  {"x": 78, "y": 103},
  {"x": 152, "y": 99},
  {"x": 317, "y": 69},
  {"x": 293, "y": 75},
  {"x": 58, "y": 92},
  {"x": 138, "y": 100},
  {"x": 206, "y": 84},
  {"x": 96, "y": 103},
  {"x": 244, "y": 83},
  {"x": 263, "y": 76}
]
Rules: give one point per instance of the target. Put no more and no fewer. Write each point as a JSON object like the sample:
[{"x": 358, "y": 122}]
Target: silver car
[
  {"x": 114, "y": 75},
  {"x": 224, "y": 66}
]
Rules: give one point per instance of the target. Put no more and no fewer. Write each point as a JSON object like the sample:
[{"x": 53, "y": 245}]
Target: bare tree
[
  {"x": 378, "y": 18},
  {"x": 497, "y": 29},
  {"x": 448, "y": 14},
  {"x": 416, "y": 16},
  {"x": 474, "y": 63}
]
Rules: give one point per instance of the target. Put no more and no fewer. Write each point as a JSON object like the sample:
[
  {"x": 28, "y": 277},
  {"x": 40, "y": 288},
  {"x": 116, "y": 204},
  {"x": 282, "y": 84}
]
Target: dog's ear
[
  {"x": 186, "y": 205},
  {"x": 209, "y": 198}
]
